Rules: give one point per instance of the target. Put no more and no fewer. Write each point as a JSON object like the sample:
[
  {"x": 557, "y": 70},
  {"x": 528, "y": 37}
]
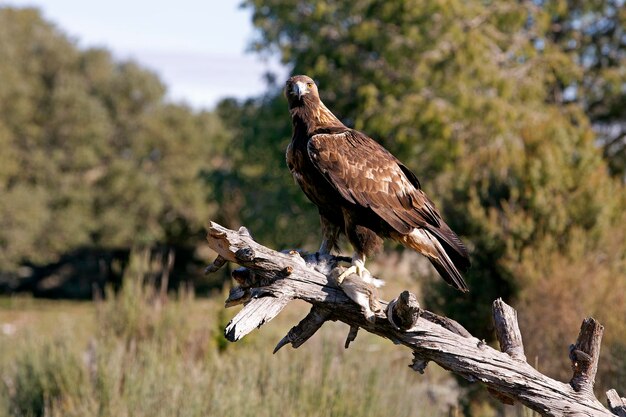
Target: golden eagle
[{"x": 362, "y": 190}]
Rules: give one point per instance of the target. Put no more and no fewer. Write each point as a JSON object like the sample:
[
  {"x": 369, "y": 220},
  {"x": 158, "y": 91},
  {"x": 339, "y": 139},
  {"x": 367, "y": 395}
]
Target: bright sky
[{"x": 197, "y": 47}]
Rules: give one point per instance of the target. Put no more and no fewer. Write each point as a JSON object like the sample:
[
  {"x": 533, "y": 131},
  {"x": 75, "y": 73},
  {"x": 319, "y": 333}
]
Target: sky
[{"x": 198, "y": 48}]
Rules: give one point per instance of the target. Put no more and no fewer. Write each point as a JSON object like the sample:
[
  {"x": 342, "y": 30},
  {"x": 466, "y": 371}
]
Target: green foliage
[
  {"x": 144, "y": 355},
  {"x": 137, "y": 312},
  {"x": 50, "y": 375},
  {"x": 252, "y": 184},
  {"x": 592, "y": 34},
  {"x": 462, "y": 92},
  {"x": 92, "y": 154}
]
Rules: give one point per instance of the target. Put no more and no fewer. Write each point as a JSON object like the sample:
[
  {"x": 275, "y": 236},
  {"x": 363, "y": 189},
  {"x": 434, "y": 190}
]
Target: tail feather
[
  {"x": 453, "y": 246},
  {"x": 448, "y": 255},
  {"x": 448, "y": 270}
]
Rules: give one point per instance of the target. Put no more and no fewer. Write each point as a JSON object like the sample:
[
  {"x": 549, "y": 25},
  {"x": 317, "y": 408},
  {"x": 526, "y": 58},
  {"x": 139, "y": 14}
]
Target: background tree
[
  {"x": 92, "y": 154},
  {"x": 252, "y": 184},
  {"x": 593, "y": 34},
  {"x": 462, "y": 93}
]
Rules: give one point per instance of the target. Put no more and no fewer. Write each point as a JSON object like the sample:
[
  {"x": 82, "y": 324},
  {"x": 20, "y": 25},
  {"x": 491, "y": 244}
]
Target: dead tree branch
[{"x": 269, "y": 280}]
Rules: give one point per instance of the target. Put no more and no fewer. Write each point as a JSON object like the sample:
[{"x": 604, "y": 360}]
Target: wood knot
[
  {"x": 247, "y": 278},
  {"x": 578, "y": 356},
  {"x": 286, "y": 271},
  {"x": 245, "y": 254},
  {"x": 404, "y": 311}
]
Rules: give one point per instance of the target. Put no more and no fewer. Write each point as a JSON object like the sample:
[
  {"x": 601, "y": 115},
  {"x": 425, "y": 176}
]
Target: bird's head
[
  {"x": 305, "y": 104},
  {"x": 301, "y": 89}
]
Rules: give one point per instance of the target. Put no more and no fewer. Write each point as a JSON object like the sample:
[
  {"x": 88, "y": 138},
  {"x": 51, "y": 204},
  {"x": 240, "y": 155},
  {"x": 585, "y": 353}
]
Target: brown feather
[
  {"x": 361, "y": 188},
  {"x": 365, "y": 173}
]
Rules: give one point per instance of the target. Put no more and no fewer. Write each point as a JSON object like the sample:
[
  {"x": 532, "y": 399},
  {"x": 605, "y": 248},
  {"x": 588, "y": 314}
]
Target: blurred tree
[
  {"x": 252, "y": 184},
  {"x": 461, "y": 92},
  {"x": 593, "y": 34},
  {"x": 92, "y": 154}
]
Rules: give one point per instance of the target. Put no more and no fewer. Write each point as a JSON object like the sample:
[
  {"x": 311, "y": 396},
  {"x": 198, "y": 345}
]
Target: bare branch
[
  {"x": 404, "y": 311},
  {"x": 216, "y": 265},
  {"x": 584, "y": 355},
  {"x": 272, "y": 279},
  {"x": 507, "y": 330},
  {"x": 256, "y": 313},
  {"x": 305, "y": 329},
  {"x": 616, "y": 404},
  {"x": 354, "y": 330}
]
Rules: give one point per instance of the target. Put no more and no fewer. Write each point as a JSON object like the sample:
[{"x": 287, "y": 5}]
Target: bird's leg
[
  {"x": 345, "y": 273},
  {"x": 325, "y": 247},
  {"x": 330, "y": 234},
  {"x": 358, "y": 262},
  {"x": 354, "y": 269}
]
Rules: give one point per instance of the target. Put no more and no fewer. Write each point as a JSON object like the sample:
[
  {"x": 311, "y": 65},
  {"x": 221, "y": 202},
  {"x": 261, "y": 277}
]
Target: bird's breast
[{"x": 308, "y": 177}]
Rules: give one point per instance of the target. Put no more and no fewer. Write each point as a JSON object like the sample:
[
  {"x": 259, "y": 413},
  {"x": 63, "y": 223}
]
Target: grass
[{"x": 139, "y": 353}]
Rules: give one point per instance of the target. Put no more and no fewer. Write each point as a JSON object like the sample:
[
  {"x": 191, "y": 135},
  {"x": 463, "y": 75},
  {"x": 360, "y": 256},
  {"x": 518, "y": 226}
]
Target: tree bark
[{"x": 269, "y": 280}]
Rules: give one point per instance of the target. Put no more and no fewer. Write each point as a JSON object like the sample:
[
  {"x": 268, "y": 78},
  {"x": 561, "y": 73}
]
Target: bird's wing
[{"x": 366, "y": 174}]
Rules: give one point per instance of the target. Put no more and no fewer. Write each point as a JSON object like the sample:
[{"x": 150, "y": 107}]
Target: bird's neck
[{"x": 310, "y": 117}]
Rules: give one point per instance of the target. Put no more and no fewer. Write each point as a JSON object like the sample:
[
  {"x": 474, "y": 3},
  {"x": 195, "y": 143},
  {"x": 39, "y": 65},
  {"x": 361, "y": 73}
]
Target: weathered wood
[
  {"x": 446, "y": 323},
  {"x": 507, "y": 330},
  {"x": 616, "y": 404},
  {"x": 404, "y": 311},
  {"x": 418, "y": 364},
  {"x": 216, "y": 265},
  {"x": 305, "y": 329},
  {"x": 504, "y": 399},
  {"x": 354, "y": 330},
  {"x": 257, "y": 312},
  {"x": 584, "y": 355},
  {"x": 431, "y": 337}
]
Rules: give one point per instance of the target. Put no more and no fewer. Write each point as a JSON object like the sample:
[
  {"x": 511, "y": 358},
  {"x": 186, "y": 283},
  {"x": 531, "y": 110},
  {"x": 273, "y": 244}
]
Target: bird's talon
[{"x": 352, "y": 270}]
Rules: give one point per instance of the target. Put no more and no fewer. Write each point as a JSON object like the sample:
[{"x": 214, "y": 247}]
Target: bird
[{"x": 362, "y": 191}]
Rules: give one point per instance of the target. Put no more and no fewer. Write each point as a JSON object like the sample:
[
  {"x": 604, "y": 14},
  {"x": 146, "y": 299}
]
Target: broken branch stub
[
  {"x": 256, "y": 313},
  {"x": 616, "y": 404},
  {"x": 584, "y": 355},
  {"x": 404, "y": 311},
  {"x": 507, "y": 330},
  {"x": 305, "y": 329}
]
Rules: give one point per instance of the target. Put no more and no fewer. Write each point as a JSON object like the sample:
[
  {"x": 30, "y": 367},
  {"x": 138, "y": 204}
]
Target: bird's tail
[
  {"x": 448, "y": 256},
  {"x": 448, "y": 270}
]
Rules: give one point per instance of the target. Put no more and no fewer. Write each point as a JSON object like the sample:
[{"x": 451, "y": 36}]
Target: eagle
[{"x": 363, "y": 191}]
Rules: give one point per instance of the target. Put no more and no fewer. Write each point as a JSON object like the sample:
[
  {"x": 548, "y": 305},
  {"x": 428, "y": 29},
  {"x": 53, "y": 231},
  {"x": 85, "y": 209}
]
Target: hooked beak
[{"x": 299, "y": 89}]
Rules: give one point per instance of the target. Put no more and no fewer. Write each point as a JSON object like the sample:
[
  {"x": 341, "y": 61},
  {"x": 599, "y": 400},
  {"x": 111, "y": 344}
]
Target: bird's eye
[{"x": 310, "y": 85}]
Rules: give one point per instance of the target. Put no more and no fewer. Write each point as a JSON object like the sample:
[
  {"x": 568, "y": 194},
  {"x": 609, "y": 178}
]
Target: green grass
[{"x": 140, "y": 354}]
